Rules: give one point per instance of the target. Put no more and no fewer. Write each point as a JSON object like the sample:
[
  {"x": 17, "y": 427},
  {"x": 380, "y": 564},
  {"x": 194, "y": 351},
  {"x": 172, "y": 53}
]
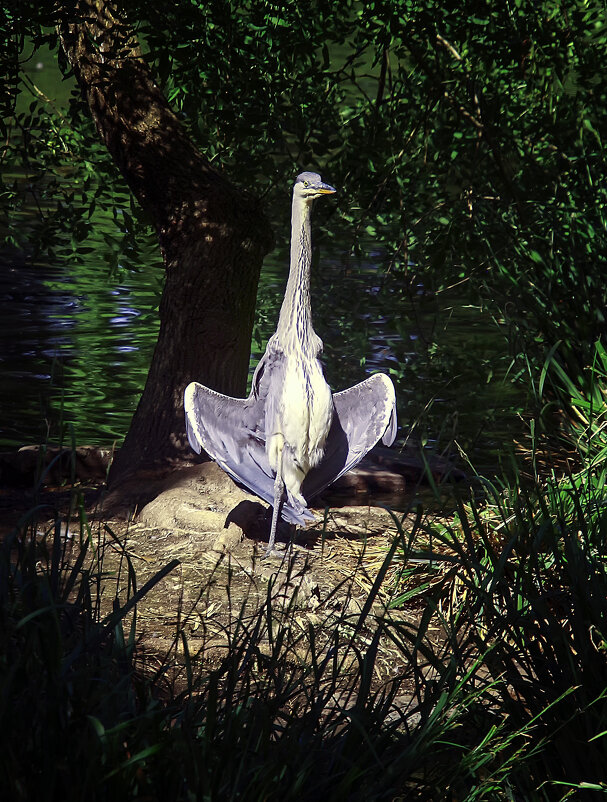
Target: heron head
[{"x": 310, "y": 186}]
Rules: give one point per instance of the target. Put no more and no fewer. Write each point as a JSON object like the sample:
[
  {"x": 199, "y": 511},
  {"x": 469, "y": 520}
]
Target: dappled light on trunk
[{"x": 213, "y": 237}]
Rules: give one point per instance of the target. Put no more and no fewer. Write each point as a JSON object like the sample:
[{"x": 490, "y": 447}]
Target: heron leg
[{"x": 279, "y": 487}]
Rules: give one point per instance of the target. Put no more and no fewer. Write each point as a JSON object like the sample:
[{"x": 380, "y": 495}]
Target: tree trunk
[{"x": 213, "y": 237}]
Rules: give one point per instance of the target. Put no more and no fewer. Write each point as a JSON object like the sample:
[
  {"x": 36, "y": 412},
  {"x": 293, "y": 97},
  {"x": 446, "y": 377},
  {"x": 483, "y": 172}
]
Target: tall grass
[
  {"x": 287, "y": 712},
  {"x": 528, "y": 590},
  {"x": 69, "y": 695}
]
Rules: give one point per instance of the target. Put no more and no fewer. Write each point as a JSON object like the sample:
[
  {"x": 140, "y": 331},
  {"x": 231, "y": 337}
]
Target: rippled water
[{"x": 75, "y": 347}]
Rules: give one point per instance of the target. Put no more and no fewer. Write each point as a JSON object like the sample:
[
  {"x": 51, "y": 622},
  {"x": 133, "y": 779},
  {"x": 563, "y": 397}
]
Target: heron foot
[
  {"x": 272, "y": 552},
  {"x": 291, "y": 551}
]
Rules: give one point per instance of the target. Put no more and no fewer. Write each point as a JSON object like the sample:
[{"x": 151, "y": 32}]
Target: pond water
[
  {"x": 75, "y": 345},
  {"x": 74, "y": 349}
]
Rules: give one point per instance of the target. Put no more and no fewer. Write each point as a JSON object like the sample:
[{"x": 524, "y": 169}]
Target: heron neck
[{"x": 295, "y": 313}]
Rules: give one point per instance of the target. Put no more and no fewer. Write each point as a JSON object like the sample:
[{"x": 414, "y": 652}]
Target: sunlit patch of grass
[{"x": 584, "y": 397}]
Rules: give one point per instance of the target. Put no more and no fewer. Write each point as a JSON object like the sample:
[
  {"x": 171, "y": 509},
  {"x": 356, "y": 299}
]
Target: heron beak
[{"x": 326, "y": 189}]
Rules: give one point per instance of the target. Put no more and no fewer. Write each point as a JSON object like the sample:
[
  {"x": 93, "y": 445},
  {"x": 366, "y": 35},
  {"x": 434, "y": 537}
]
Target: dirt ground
[
  {"x": 219, "y": 533},
  {"x": 216, "y": 534}
]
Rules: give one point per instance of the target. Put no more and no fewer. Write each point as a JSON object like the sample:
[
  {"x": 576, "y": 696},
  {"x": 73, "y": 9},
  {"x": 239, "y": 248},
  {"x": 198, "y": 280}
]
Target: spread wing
[
  {"x": 363, "y": 414},
  {"x": 232, "y": 432}
]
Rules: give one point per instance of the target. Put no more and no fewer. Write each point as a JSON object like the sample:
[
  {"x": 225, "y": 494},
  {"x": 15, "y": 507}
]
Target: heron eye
[{"x": 305, "y": 183}]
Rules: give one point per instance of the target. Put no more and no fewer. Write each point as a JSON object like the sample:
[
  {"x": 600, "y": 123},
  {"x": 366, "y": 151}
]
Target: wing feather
[
  {"x": 232, "y": 432},
  {"x": 363, "y": 414}
]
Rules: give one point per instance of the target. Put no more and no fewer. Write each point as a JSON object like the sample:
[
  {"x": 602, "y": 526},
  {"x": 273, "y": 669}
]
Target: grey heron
[{"x": 292, "y": 436}]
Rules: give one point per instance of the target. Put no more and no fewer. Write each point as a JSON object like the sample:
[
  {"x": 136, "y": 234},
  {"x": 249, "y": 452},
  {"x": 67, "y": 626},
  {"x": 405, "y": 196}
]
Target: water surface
[{"x": 75, "y": 346}]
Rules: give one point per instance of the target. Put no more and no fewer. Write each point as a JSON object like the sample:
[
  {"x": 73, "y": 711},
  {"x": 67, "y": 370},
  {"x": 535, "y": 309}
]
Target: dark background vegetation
[{"x": 470, "y": 137}]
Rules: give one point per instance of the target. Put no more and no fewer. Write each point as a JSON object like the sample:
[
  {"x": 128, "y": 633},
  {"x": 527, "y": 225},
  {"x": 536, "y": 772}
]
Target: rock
[
  {"x": 229, "y": 539},
  {"x": 198, "y": 498}
]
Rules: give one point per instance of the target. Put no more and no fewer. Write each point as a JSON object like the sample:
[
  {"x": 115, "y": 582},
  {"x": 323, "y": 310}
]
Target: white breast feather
[
  {"x": 320, "y": 416},
  {"x": 305, "y": 426}
]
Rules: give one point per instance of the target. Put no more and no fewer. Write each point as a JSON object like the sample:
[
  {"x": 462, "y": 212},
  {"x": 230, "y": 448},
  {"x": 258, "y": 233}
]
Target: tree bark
[{"x": 212, "y": 236}]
